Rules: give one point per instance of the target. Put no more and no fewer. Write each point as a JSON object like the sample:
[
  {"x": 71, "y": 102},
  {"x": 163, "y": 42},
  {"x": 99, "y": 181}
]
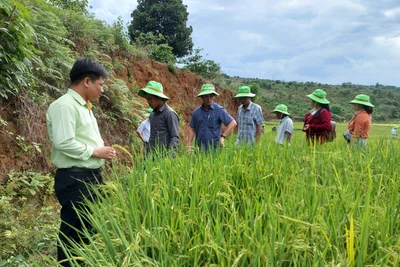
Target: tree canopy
[{"x": 165, "y": 17}]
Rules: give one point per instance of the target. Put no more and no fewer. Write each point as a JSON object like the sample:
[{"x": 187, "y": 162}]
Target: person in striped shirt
[{"x": 249, "y": 118}]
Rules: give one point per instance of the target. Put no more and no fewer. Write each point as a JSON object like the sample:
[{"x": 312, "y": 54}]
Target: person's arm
[
  {"x": 63, "y": 120},
  {"x": 140, "y": 130},
  {"x": 173, "y": 129},
  {"x": 229, "y": 128},
  {"x": 289, "y": 130},
  {"x": 191, "y": 134},
  {"x": 140, "y": 136},
  {"x": 258, "y": 132},
  {"x": 305, "y": 124},
  {"x": 288, "y": 137},
  {"x": 105, "y": 152},
  {"x": 227, "y": 132},
  {"x": 259, "y": 119}
]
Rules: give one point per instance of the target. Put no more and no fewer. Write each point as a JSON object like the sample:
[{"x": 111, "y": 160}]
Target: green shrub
[{"x": 28, "y": 219}]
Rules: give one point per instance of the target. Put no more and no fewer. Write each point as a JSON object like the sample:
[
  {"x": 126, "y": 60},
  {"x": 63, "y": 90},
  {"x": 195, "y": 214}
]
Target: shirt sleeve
[
  {"x": 173, "y": 129},
  {"x": 259, "y": 116},
  {"x": 63, "y": 120},
  {"x": 141, "y": 127},
  {"x": 289, "y": 126},
  {"x": 225, "y": 117},
  {"x": 192, "y": 123}
]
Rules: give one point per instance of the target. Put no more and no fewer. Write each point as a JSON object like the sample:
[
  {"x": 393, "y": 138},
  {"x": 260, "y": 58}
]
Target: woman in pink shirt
[{"x": 360, "y": 124}]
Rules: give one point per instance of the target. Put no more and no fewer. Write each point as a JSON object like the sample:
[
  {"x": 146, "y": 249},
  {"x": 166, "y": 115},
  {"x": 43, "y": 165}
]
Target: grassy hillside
[{"x": 273, "y": 92}]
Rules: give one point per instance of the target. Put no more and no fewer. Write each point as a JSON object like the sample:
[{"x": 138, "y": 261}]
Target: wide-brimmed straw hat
[
  {"x": 362, "y": 100},
  {"x": 319, "y": 96},
  {"x": 153, "y": 88},
  {"x": 281, "y": 108},
  {"x": 244, "y": 91},
  {"x": 207, "y": 89}
]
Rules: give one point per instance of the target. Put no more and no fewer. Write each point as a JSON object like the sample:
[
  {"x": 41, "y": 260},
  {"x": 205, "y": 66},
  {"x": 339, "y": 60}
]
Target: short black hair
[{"x": 86, "y": 67}]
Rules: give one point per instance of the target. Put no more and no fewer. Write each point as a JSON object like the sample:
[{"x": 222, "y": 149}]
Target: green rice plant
[{"x": 268, "y": 205}]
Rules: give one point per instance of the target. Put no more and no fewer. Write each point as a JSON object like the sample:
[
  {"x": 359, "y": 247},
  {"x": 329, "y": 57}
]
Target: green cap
[
  {"x": 148, "y": 112},
  {"x": 319, "y": 96},
  {"x": 362, "y": 100},
  {"x": 281, "y": 108},
  {"x": 395, "y": 127},
  {"x": 207, "y": 89},
  {"x": 244, "y": 91},
  {"x": 153, "y": 88}
]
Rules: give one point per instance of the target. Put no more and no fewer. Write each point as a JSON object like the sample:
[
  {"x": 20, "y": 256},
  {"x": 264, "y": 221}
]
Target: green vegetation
[
  {"x": 29, "y": 219},
  {"x": 240, "y": 207},
  {"x": 156, "y": 47},
  {"x": 195, "y": 63},
  {"x": 268, "y": 206}
]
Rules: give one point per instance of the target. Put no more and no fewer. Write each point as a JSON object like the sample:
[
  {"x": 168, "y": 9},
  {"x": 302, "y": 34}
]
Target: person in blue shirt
[{"x": 207, "y": 120}]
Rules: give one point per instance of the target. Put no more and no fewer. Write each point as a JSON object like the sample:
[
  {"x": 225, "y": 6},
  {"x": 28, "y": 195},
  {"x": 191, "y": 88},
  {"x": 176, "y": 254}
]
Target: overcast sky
[{"x": 332, "y": 42}]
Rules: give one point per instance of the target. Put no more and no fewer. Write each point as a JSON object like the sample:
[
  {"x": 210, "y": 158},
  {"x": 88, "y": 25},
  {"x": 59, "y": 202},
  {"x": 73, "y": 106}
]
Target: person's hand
[
  {"x": 105, "y": 152},
  {"x": 306, "y": 127},
  {"x": 189, "y": 149},
  {"x": 222, "y": 141}
]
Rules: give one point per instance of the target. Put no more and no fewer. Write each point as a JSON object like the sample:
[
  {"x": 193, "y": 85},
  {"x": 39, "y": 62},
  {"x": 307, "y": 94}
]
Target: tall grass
[{"x": 266, "y": 206}]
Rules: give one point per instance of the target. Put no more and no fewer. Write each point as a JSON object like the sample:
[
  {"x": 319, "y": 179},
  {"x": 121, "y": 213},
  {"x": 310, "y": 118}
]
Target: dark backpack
[{"x": 331, "y": 134}]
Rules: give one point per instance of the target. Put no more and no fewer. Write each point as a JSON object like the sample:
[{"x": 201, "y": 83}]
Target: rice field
[{"x": 330, "y": 205}]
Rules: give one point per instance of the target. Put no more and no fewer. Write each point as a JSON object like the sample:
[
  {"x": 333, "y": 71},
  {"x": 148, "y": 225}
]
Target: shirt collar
[
  {"x": 287, "y": 117},
  {"x": 248, "y": 107},
  {"x": 79, "y": 99},
  {"x": 212, "y": 106},
  {"x": 162, "y": 108}
]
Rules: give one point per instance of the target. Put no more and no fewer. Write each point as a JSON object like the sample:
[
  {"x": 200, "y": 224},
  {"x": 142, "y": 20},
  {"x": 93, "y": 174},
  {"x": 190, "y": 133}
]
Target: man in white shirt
[
  {"x": 143, "y": 131},
  {"x": 285, "y": 127}
]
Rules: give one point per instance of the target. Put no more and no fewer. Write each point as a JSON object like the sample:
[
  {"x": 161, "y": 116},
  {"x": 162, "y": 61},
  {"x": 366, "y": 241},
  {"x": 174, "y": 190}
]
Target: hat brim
[
  {"x": 152, "y": 92},
  {"x": 245, "y": 95},
  {"x": 318, "y": 100},
  {"x": 361, "y": 103},
  {"x": 281, "y": 111},
  {"x": 208, "y": 93}
]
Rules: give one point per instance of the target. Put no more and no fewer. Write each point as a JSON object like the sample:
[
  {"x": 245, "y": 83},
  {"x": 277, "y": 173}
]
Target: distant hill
[{"x": 273, "y": 92}]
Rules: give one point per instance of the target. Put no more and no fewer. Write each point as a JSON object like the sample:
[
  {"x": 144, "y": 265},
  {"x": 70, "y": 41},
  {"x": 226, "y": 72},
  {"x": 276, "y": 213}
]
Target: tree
[
  {"x": 165, "y": 17},
  {"x": 156, "y": 47},
  {"x": 196, "y": 64}
]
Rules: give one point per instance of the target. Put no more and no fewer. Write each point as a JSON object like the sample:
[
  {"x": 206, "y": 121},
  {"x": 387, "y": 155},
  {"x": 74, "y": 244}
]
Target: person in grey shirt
[{"x": 164, "y": 122}]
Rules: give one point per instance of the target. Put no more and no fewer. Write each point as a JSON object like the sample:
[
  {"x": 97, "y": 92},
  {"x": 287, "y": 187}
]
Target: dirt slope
[{"x": 22, "y": 117}]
